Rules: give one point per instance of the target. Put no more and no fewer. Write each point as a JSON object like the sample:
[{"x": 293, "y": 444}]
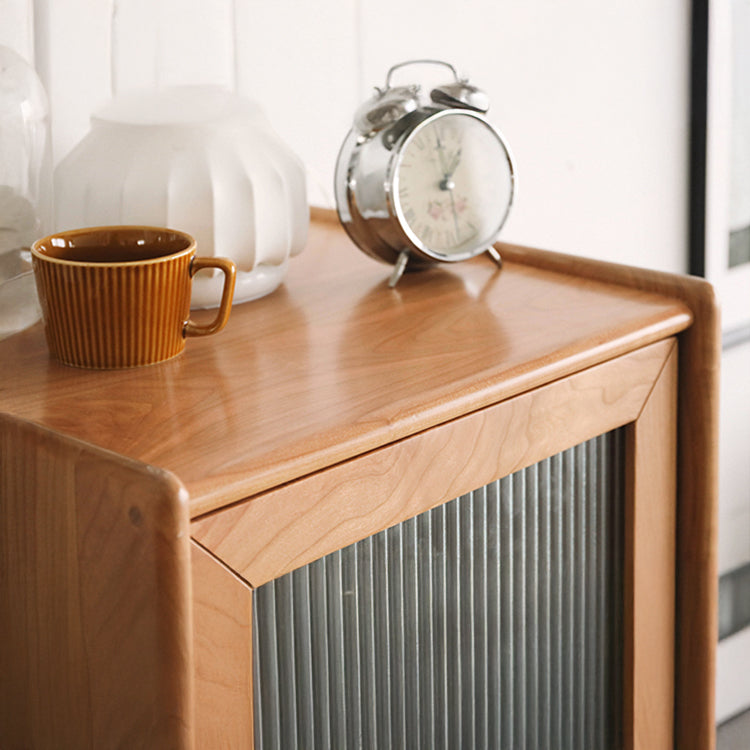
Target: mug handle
[{"x": 225, "y": 306}]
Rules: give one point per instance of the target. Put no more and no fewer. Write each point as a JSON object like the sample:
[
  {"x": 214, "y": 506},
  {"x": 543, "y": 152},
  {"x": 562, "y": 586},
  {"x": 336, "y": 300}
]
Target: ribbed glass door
[{"x": 493, "y": 621}]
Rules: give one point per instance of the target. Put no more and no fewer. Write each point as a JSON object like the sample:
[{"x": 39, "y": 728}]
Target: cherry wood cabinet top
[{"x": 334, "y": 363}]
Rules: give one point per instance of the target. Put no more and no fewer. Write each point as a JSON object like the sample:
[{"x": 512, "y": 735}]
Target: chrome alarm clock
[{"x": 421, "y": 180}]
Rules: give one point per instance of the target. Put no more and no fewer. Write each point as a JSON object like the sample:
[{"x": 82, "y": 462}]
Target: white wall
[
  {"x": 592, "y": 96},
  {"x": 17, "y": 27}
]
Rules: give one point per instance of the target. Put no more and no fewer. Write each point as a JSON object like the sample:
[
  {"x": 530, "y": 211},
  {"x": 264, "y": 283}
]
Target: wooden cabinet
[{"x": 140, "y": 508}]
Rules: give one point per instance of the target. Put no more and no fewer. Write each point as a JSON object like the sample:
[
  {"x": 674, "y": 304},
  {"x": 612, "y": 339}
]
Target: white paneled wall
[
  {"x": 17, "y": 27},
  {"x": 171, "y": 42},
  {"x": 593, "y": 99},
  {"x": 302, "y": 61},
  {"x": 72, "y": 41},
  {"x": 592, "y": 96}
]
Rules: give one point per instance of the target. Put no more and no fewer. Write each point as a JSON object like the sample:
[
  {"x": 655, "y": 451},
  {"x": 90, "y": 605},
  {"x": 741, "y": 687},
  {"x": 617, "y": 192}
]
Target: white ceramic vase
[{"x": 199, "y": 159}]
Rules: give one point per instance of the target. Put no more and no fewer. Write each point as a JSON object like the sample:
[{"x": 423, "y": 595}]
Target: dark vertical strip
[
  {"x": 558, "y": 582},
  {"x": 698, "y": 144},
  {"x": 454, "y": 601},
  {"x": 318, "y": 614},
  {"x": 259, "y": 718},
  {"x": 382, "y": 640},
  {"x": 395, "y": 625},
  {"x": 617, "y": 584},
  {"x": 440, "y": 618},
  {"x": 583, "y": 535},
  {"x": 603, "y": 563},
  {"x": 506, "y": 614},
  {"x": 366, "y": 602},
  {"x": 286, "y": 661},
  {"x": 480, "y": 616},
  {"x": 335, "y": 649},
  {"x": 352, "y": 697},
  {"x": 569, "y": 635},
  {"x": 494, "y": 610},
  {"x": 545, "y": 610},
  {"x": 303, "y": 637},
  {"x": 413, "y": 661},
  {"x": 425, "y": 552},
  {"x": 269, "y": 675},
  {"x": 466, "y": 617},
  {"x": 532, "y": 594},
  {"x": 592, "y": 555}
]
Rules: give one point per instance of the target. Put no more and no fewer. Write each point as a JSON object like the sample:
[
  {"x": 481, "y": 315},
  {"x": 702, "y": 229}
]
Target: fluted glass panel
[{"x": 493, "y": 621}]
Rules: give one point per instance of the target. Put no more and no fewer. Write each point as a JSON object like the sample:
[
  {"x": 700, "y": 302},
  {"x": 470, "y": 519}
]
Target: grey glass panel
[
  {"x": 494, "y": 621},
  {"x": 739, "y": 247},
  {"x": 734, "y": 601}
]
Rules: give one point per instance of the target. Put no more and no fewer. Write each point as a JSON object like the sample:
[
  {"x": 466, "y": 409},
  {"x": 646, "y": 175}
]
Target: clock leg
[
  {"x": 495, "y": 255},
  {"x": 398, "y": 269}
]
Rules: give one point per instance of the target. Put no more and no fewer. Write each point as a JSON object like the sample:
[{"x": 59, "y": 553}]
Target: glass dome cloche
[
  {"x": 200, "y": 159},
  {"x": 25, "y": 187}
]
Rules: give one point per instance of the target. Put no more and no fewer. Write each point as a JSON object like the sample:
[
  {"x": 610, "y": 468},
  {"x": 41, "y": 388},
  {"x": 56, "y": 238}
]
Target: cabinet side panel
[{"x": 95, "y": 639}]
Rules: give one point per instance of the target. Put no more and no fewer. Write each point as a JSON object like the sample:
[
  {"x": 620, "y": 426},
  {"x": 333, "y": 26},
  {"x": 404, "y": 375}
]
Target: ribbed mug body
[
  {"x": 110, "y": 316},
  {"x": 114, "y": 313}
]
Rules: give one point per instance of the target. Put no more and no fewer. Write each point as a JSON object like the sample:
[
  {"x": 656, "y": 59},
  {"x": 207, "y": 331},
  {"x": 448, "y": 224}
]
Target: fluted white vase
[{"x": 199, "y": 159}]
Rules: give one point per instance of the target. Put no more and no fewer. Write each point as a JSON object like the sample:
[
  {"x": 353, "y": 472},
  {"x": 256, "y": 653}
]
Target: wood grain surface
[
  {"x": 95, "y": 632},
  {"x": 285, "y": 528},
  {"x": 334, "y": 364},
  {"x": 223, "y": 618},
  {"x": 650, "y": 560}
]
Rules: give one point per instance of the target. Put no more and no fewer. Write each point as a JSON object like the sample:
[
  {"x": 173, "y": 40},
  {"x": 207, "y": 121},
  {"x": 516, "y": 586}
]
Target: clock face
[{"x": 452, "y": 185}]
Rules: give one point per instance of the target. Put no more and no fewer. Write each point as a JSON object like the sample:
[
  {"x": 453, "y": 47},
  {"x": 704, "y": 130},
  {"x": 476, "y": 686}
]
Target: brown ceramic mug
[{"x": 120, "y": 296}]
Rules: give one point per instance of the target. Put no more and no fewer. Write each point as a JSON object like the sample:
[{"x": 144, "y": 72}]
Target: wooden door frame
[{"x": 280, "y": 530}]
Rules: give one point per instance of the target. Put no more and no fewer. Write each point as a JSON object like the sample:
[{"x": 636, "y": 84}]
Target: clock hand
[
  {"x": 454, "y": 164},
  {"x": 447, "y": 182},
  {"x": 441, "y": 153}
]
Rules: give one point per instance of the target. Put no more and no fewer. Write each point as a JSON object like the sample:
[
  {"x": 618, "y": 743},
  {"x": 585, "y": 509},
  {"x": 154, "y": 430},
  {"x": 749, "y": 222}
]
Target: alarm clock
[{"x": 421, "y": 180}]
